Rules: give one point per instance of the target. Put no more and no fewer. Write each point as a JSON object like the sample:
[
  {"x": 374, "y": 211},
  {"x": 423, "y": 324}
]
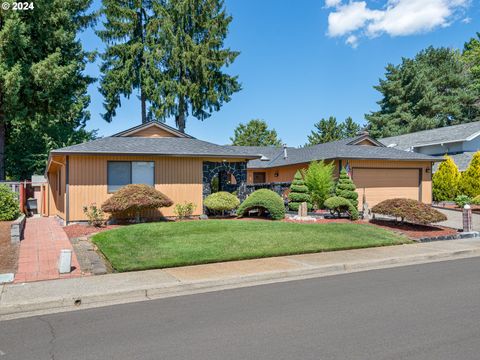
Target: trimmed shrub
[
  {"x": 411, "y": 210},
  {"x": 319, "y": 180},
  {"x": 9, "y": 207},
  {"x": 266, "y": 200},
  {"x": 339, "y": 205},
  {"x": 221, "y": 201},
  {"x": 469, "y": 181},
  {"x": 346, "y": 188},
  {"x": 445, "y": 181},
  {"x": 132, "y": 199},
  {"x": 462, "y": 200},
  {"x": 298, "y": 193},
  {"x": 185, "y": 210}
]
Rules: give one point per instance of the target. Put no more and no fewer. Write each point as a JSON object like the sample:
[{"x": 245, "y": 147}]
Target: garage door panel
[{"x": 382, "y": 184}]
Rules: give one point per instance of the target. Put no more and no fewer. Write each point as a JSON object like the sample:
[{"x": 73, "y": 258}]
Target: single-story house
[
  {"x": 458, "y": 141},
  {"x": 183, "y": 168}
]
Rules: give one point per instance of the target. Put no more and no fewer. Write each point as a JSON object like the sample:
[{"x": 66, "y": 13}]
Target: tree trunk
[
  {"x": 180, "y": 118},
  {"x": 2, "y": 146},
  {"x": 144, "y": 105}
]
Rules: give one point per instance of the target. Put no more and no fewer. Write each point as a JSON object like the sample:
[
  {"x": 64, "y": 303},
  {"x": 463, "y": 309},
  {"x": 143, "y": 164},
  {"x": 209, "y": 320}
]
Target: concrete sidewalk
[{"x": 27, "y": 299}]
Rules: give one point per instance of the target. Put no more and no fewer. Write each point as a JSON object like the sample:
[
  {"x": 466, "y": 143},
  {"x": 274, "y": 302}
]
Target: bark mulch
[
  {"x": 8, "y": 252},
  {"x": 78, "y": 230},
  {"x": 415, "y": 231}
]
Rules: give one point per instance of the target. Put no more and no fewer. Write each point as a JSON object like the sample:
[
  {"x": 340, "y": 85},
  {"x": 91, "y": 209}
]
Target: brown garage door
[{"x": 382, "y": 184}]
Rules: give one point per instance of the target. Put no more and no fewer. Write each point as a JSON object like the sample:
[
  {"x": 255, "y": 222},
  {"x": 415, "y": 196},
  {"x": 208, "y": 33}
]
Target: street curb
[{"x": 62, "y": 304}]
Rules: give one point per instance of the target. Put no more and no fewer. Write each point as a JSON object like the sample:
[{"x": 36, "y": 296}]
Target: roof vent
[
  {"x": 285, "y": 155},
  {"x": 264, "y": 158},
  {"x": 391, "y": 145}
]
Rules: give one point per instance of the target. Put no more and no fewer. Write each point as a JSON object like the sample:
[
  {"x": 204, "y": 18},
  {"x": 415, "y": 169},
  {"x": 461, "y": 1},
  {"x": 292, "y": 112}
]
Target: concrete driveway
[{"x": 455, "y": 219}]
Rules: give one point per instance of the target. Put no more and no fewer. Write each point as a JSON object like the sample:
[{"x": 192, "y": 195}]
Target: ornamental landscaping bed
[
  {"x": 78, "y": 230},
  {"x": 170, "y": 244},
  {"x": 415, "y": 231},
  {"x": 9, "y": 251}
]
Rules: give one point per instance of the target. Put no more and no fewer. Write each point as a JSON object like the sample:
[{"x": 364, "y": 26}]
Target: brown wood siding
[
  {"x": 152, "y": 132},
  {"x": 366, "y": 142},
  {"x": 178, "y": 178},
  {"x": 56, "y": 200}
]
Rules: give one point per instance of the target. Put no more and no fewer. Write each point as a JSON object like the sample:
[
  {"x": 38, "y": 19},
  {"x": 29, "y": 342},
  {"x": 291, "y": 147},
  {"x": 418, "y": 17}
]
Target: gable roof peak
[{"x": 149, "y": 124}]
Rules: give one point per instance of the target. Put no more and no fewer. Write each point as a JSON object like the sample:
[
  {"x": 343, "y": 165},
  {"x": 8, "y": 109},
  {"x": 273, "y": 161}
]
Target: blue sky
[{"x": 301, "y": 61}]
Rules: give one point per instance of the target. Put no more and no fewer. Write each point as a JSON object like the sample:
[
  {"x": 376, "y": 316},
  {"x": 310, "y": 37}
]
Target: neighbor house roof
[
  {"x": 341, "y": 149},
  {"x": 462, "y": 160},
  {"x": 448, "y": 134},
  {"x": 169, "y": 146}
]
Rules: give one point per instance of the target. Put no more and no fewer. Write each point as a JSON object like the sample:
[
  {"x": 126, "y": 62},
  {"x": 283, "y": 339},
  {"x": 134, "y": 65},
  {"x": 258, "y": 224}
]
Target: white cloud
[
  {"x": 332, "y": 3},
  {"x": 352, "y": 40},
  {"x": 397, "y": 18}
]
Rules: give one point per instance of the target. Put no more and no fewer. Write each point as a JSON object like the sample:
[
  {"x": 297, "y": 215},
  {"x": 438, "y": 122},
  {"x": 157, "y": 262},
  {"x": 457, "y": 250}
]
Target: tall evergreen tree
[
  {"x": 255, "y": 133},
  {"x": 326, "y": 130},
  {"x": 43, "y": 91},
  {"x": 128, "y": 61},
  {"x": 191, "y": 35},
  {"x": 349, "y": 128},
  {"x": 429, "y": 91},
  {"x": 471, "y": 58}
]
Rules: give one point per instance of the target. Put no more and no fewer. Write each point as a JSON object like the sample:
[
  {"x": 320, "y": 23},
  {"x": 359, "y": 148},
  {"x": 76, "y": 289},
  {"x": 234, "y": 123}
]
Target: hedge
[{"x": 263, "y": 199}]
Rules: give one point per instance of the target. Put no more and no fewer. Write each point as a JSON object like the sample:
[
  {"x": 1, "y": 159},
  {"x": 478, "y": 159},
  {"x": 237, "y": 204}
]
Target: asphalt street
[{"x": 429, "y": 311}]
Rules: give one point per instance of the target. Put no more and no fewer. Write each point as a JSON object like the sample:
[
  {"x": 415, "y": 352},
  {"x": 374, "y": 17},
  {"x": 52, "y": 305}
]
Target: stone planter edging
[
  {"x": 16, "y": 229},
  {"x": 466, "y": 235}
]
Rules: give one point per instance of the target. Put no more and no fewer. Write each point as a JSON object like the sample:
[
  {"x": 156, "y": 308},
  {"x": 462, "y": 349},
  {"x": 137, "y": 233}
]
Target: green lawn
[{"x": 169, "y": 244}]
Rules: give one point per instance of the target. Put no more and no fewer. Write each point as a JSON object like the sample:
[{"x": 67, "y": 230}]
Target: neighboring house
[
  {"x": 183, "y": 168},
  {"x": 458, "y": 141}
]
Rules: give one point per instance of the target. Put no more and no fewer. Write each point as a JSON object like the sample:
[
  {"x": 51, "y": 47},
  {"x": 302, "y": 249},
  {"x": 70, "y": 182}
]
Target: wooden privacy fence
[{"x": 25, "y": 190}]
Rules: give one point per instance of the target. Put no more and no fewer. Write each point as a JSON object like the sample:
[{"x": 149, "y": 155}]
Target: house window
[{"x": 121, "y": 173}]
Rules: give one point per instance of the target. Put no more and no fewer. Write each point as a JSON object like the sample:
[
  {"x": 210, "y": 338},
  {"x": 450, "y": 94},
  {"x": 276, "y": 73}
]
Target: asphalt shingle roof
[
  {"x": 435, "y": 136},
  {"x": 332, "y": 150},
  {"x": 273, "y": 156},
  {"x": 154, "y": 146},
  {"x": 462, "y": 160}
]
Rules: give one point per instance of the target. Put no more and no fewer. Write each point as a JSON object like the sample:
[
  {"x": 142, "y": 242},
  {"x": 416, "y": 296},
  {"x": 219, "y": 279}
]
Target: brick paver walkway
[{"x": 40, "y": 250}]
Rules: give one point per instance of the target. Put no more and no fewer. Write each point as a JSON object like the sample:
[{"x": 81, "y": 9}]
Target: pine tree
[
  {"x": 349, "y": 128},
  {"x": 445, "y": 181},
  {"x": 471, "y": 58},
  {"x": 190, "y": 36},
  {"x": 470, "y": 178},
  {"x": 298, "y": 193},
  {"x": 129, "y": 62},
  {"x": 346, "y": 188},
  {"x": 426, "y": 92},
  {"x": 255, "y": 133},
  {"x": 43, "y": 91},
  {"x": 326, "y": 130}
]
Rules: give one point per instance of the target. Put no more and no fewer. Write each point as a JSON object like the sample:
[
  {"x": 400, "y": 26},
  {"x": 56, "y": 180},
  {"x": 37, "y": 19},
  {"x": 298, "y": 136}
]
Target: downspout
[{"x": 67, "y": 195}]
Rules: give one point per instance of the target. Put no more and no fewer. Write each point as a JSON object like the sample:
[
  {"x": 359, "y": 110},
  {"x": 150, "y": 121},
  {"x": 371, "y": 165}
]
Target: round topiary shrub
[
  {"x": 9, "y": 208},
  {"x": 410, "y": 210},
  {"x": 298, "y": 193},
  {"x": 133, "y": 199},
  {"x": 221, "y": 201},
  {"x": 339, "y": 205},
  {"x": 266, "y": 200}
]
